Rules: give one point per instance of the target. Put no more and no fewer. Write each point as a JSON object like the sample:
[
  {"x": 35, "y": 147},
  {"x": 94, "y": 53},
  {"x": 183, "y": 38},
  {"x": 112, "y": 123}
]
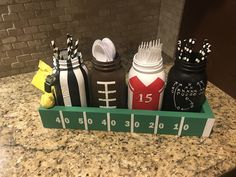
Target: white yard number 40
[{"x": 146, "y": 98}]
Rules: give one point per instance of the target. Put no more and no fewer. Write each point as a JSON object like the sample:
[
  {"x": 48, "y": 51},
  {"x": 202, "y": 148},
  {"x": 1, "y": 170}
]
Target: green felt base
[{"x": 125, "y": 120}]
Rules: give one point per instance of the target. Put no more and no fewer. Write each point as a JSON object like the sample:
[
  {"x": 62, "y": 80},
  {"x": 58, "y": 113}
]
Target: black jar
[
  {"x": 108, "y": 86},
  {"x": 185, "y": 89}
]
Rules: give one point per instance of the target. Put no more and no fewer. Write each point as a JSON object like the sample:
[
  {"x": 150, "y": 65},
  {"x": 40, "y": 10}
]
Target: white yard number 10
[{"x": 147, "y": 98}]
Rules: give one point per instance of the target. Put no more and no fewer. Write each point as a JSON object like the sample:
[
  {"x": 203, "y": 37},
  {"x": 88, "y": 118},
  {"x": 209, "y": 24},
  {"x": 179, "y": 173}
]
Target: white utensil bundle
[
  {"x": 104, "y": 50},
  {"x": 149, "y": 52}
]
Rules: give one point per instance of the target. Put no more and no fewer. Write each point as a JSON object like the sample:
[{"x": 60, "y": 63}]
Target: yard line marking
[
  {"x": 108, "y": 122},
  {"x": 156, "y": 124},
  {"x": 85, "y": 120},
  {"x": 132, "y": 123},
  {"x": 208, "y": 127},
  {"x": 62, "y": 120},
  {"x": 181, "y": 126}
]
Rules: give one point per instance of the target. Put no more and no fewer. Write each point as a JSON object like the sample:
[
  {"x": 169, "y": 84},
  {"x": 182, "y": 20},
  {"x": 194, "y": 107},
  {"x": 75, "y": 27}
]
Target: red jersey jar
[{"x": 146, "y": 84}]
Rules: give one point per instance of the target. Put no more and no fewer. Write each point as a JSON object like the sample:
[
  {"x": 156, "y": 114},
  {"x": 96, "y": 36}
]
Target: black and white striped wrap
[{"x": 71, "y": 88}]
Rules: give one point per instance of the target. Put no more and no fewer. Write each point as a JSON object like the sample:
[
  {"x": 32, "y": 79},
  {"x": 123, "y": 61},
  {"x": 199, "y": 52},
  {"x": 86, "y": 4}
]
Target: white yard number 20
[{"x": 146, "y": 98}]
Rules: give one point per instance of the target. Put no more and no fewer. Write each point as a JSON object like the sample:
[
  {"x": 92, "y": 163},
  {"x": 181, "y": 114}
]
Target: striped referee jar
[{"x": 70, "y": 81}]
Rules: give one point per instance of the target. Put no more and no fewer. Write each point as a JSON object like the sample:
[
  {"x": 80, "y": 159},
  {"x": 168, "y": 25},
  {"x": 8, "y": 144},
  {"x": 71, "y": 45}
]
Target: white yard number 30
[{"x": 146, "y": 98}]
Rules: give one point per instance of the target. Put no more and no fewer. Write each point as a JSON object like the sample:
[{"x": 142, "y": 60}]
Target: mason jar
[
  {"x": 185, "y": 89},
  {"x": 108, "y": 87},
  {"x": 146, "y": 83}
]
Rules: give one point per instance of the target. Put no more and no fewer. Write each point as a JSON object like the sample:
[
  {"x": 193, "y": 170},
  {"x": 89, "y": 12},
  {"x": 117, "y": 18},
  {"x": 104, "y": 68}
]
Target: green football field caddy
[{"x": 134, "y": 121}]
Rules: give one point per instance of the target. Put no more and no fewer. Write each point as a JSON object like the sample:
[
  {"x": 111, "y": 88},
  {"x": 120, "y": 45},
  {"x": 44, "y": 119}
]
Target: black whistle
[{"x": 50, "y": 81}]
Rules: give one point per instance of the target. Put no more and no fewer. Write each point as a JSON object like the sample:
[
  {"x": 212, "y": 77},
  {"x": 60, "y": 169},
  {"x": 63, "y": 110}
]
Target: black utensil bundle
[
  {"x": 185, "y": 51},
  {"x": 71, "y": 50}
]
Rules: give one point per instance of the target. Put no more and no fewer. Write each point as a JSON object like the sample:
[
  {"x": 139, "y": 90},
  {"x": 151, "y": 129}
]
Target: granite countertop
[{"x": 28, "y": 149}]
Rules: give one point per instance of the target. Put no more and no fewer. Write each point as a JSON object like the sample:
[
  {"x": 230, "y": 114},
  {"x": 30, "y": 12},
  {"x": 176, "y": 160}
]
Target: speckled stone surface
[{"x": 28, "y": 149}]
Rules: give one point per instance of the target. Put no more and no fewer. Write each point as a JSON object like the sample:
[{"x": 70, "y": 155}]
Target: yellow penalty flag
[{"x": 40, "y": 77}]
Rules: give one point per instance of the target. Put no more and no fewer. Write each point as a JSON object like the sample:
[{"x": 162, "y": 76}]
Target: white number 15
[{"x": 146, "y": 99}]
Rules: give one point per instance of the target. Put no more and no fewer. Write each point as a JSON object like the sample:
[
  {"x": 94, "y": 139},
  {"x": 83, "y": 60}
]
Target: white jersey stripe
[
  {"x": 130, "y": 98},
  {"x": 160, "y": 99}
]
